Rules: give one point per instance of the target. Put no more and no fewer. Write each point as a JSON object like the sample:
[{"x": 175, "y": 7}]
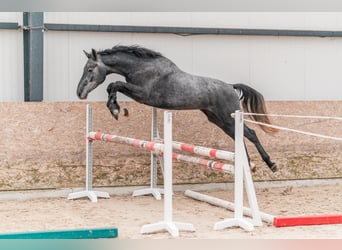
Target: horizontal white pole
[{"x": 226, "y": 204}]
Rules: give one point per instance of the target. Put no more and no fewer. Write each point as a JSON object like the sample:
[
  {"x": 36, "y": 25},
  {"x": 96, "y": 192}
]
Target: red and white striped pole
[{"x": 159, "y": 148}]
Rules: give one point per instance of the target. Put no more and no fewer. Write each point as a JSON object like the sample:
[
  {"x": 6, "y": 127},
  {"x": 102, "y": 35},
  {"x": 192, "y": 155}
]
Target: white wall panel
[
  {"x": 277, "y": 67},
  {"x": 11, "y": 17},
  {"x": 323, "y": 68},
  {"x": 11, "y": 64},
  {"x": 253, "y": 20},
  {"x": 104, "y": 18},
  {"x": 282, "y": 68},
  {"x": 225, "y": 58},
  {"x": 64, "y": 61}
]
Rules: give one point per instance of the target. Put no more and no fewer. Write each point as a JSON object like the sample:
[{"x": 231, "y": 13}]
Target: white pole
[
  {"x": 227, "y": 204},
  {"x": 153, "y": 158},
  {"x": 239, "y": 161},
  {"x": 89, "y": 148}
]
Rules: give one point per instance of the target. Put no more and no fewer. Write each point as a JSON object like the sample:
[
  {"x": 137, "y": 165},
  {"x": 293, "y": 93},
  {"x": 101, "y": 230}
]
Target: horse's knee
[
  {"x": 250, "y": 131},
  {"x": 113, "y": 87},
  {"x": 110, "y": 88},
  {"x": 250, "y": 134}
]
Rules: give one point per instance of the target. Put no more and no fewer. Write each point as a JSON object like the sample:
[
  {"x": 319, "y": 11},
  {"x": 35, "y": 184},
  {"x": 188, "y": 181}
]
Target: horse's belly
[{"x": 177, "y": 103}]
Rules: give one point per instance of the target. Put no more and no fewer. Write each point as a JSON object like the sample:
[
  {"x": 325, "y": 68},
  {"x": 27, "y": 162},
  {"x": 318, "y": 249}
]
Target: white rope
[
  {"x": 297, "y": 116},
  {"x": 295, "y": 130}
]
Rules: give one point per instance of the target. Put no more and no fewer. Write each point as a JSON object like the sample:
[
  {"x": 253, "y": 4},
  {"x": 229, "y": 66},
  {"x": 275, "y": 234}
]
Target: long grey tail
[{"x": 253, "y": 102}]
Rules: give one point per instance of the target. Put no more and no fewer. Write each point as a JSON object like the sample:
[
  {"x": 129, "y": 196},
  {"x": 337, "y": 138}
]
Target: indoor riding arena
[{"x": 292, "y": 59}]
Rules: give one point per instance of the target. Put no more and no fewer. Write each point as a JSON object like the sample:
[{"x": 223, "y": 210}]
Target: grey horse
[{"x": 154, "y": 80}]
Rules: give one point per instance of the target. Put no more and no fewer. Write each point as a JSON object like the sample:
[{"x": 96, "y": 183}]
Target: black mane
[{"x": 135, "y": 50}]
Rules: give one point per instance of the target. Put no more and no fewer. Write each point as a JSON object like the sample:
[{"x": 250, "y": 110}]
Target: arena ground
[
  {"x": 50, "y": 155},
  {"x": 129, "y": 213}
]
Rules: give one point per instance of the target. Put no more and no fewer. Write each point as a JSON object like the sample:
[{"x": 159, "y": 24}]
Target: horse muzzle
[
  {"x": 84, "y": 89},
  {"x": 81, "y": 93},
  {"x": 82, "y": 96}
]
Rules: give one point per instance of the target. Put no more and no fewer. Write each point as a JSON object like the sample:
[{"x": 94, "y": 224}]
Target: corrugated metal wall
[{"x": 282, "y": 68}]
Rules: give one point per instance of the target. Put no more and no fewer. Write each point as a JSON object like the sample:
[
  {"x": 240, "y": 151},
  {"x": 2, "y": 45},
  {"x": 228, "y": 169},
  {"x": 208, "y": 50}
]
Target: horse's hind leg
[
  {"x": 228, "y": 126},
  {"x": 251, "y": 135}
]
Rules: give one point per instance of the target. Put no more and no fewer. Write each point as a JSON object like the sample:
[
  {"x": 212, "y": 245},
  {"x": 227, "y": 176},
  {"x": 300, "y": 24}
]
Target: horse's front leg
[
  {"x": 136, "y": 92},
  {"x": 112, "y": 103}
]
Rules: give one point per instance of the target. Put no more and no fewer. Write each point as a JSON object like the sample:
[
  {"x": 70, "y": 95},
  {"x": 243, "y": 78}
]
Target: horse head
[{"x": 94, "y": 73}]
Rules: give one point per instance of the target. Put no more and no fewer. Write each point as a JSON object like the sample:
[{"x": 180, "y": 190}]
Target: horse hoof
[
  {"x": 115, "y": 114},
  {"x": 274, "y": 167},
  {"x": 253, "y": 167}
]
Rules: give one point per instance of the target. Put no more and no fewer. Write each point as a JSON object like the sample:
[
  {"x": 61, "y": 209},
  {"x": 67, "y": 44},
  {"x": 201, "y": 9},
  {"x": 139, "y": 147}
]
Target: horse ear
[
  {"x": 94, "y": 54},
  {"x": 87, "y": 54}
]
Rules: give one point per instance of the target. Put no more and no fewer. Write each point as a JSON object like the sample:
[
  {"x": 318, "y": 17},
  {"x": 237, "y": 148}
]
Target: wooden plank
[
  {"x": 307, "y": 220},
  {"x": 65, "y": 234}
]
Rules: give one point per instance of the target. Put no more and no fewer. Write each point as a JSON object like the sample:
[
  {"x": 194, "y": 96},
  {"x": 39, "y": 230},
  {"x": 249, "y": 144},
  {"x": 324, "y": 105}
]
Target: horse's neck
[
  {"x": 124, "y": 65},
  {"x": 133, "y": 68}
]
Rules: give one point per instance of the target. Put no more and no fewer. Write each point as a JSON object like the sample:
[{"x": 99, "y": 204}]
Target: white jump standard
[
  {"x": 189, "y": 148},
  {"x": 156, "y": 151},
  {"x": 164, "y": 151},
  {"x": 242, "y": 171},
  {"x": 153, "y": 189},
  {"x": 168, "y": 225},
  {"x": 91, "y": 194}
]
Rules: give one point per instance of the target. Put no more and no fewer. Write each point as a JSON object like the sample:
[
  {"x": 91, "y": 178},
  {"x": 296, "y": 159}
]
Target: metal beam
[
  {"x": 33, "y": 55},
  {"x": 191, "y": 30},
  {"x": 9, "y": 26}
]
